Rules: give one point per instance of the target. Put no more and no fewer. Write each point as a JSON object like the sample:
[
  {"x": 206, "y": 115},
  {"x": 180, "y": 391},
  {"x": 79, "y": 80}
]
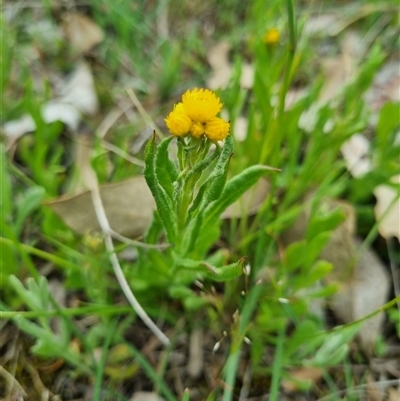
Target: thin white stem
[
  {"x": 143, "y": 112},
  {"x": 105, "y": 226},
  {"x": 125, "y": 240}
]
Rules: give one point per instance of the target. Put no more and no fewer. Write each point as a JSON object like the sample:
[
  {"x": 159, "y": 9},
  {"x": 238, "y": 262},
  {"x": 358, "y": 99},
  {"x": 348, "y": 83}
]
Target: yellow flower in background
[
  {"x": 201, "y": 104},
  {"x": 177, "y": 121},
  {"x": 217, "y": 129},
  {"x": 271, "y": 37}
]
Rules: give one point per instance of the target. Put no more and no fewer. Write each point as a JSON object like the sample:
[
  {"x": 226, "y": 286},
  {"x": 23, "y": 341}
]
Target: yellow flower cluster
[
  {"x": 197, "y": 115},
  {"x": 271, "y": 37}
]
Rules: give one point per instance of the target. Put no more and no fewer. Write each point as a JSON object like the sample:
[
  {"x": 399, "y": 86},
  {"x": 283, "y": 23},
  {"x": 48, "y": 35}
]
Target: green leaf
[
  {"x": 165, "y": 169},
  {"x": 326, "y": 222},
  {"x": 213, "y": 186},
  {"x": 5, "y": 193},
  {"x": 214, "y": 273},
  {"x": 209, "y": 191},
  {"x": 27, "y": 205},
  {"x": 228, "y": 272},
  {"x": 236, "y": 187},
  {"x": 318, "y": 271},
  {"x": 304, "y": 332},
  {"x": 335, "y": 347},
  {"x": 294, "y": 255},
  {"x": 164, "y": 205},
  {"x": 315, "y": 247},
  {"x": 389, "y": 119}
]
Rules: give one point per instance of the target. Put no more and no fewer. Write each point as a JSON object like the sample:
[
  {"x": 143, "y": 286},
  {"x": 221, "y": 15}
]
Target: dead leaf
[
  {"x": 247, "y": 77},
  {"x": 362, "y": 278},
  {"x": 385, "y": 86},
  {"x": 363, "y": 294},
  {"x": 304, "y": 374},
  {"x": 338, "y": 72},
  {"x": 320, "y": 24},
  {"x": 218, "y": 58},
  {"x": 196, "y": 360},
  {"x": 78, "y": 90},
  {"x": 355, "y": 152},
  {"x": 218, "y": 55},
  {"x": 128, "y": 205},
  {"x": 16, "y": 128},
  {"x": 240, "y": 128},
  {"x": 146, "y": 396},
  {"x": 76, "y": 95},
  {"x": 387, "y": 209},
  {"x": 85, "y": 177},
  {"x": 250, "y": 202},
  {"x": 81, "y": 32},
  {"x": 394, "y": 394}
]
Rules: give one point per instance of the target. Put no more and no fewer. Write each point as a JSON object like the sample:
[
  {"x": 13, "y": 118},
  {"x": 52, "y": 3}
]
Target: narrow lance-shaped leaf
[
  {"x": 164, "y": 207},
  {"x": 236, "y": 187},
  {"x": 195, "y": 173},
  {"x": 223, "y": 273},
  {"x": 208, "y": 192},
  {"x": 212, "y": 187},
  {"x": 166, "y": 172}
]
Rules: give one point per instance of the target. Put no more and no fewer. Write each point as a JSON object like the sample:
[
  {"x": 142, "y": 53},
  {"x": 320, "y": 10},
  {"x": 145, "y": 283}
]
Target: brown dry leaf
[
  {"x": 362, "y": 278},
  {"x": 81, "y": 32},
  {"x": 196, "y": 360},
  {"x": 338, "y": 72},
  {"x": 304, "y": 374},
  {"x": 218, "y": 55},
  {"x": 146, "y": 396},
  {"x": 250, "y": 202},
  {"x": 363, "y": 294},
  {"x": 128, "y": 205},
  {"x": 385, "y": 87},
  {"x": 240, "y": 128},
  {"x": 218, "y": 58},
  {"x": 387, "y": 209},
  {"x": 320, "y": 24},
  {"x": 394, "y": 394}
]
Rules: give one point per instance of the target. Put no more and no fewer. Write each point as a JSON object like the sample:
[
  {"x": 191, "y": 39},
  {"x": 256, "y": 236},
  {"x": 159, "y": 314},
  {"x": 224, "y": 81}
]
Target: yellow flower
[
  {"x": 217, "y": 129},
  {"x": 201, "y": 105},
  {"x": 271, "y": 37},
  {"x": 197, "y": 130},
  {"x": 177, "y": 121}
]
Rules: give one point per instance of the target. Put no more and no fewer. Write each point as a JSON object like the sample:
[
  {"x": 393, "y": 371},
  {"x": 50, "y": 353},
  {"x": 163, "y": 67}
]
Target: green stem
[
  {"x": 41, "y": 254},
  {"x": 277, "y": 366},
  {"x": 275, "y": 139}
]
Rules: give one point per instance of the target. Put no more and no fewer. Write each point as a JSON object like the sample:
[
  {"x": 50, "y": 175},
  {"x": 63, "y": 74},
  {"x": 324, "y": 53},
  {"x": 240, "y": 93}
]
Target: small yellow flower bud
[
  {"x": 217, "y": 129},
  {"x": 177, "y": 121},
  {"x": 197, "y": 130}
]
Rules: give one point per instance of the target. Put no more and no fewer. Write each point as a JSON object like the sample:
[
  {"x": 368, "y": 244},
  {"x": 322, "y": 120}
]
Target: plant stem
[
  {"x": 270, "y": 146},
  {"x": 277, "y": 366}
]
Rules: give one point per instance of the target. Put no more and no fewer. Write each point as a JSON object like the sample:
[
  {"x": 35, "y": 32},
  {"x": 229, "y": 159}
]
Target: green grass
[{"x": 270, "y": 326}]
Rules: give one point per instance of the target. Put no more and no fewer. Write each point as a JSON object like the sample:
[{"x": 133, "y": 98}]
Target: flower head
[
  {"x": 197, "y": 130},
  {"x": 201, "y": 105},
  {"x": 196, "y": 115},
  {"x": 217, "y": 129},
  {"x": 177, "y": 121},
  {"x": 271, "y": 37}
]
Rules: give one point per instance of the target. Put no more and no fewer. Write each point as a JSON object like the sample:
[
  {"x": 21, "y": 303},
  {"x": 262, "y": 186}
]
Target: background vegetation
[{"x": 311, "y": 90}]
